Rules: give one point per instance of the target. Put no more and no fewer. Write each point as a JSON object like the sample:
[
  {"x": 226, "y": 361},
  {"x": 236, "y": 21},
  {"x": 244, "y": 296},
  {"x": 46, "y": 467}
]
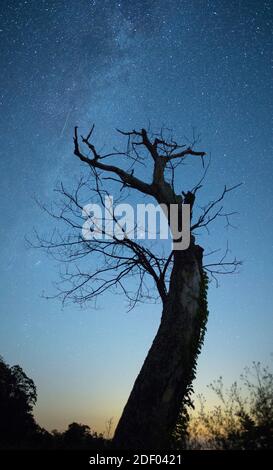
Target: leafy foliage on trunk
[{"x": 181, "y": 433}]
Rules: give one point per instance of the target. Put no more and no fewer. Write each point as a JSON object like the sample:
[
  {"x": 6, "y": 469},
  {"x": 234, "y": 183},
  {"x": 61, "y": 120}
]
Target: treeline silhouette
[
  {"x": 18, "y": 428},
  {"x": 242, "y": 419}
]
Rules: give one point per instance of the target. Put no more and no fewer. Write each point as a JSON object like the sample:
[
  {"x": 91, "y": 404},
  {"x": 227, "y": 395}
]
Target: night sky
[{"x": 179, "y": 63}]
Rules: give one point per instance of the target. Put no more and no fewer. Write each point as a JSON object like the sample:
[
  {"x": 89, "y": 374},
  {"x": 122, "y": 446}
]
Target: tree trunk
[{"x": 152, "y": 410}]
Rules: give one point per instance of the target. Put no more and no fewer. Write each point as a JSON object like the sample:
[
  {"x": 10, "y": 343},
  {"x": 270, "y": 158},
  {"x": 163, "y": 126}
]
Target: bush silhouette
[{"x": 243, "y": 417}]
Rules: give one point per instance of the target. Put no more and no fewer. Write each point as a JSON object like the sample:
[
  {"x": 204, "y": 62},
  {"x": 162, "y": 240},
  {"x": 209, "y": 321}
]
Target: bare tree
[{"x": 179, "y": 277}]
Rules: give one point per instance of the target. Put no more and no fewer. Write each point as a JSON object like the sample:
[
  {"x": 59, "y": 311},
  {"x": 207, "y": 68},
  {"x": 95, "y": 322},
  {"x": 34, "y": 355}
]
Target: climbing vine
[{"x": 180, "y": 432}]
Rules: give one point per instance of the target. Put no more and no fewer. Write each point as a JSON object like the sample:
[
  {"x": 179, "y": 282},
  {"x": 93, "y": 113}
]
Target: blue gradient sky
[{"x": 201, "y": 63}]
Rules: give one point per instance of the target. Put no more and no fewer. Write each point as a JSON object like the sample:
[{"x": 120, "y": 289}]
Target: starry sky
[{"x": 179, "y": 63}]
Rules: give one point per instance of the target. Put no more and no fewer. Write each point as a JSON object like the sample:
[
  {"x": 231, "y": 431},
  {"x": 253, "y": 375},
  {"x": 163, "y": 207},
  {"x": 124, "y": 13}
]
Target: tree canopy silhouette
[
  {"x": 179, "y": 278},
  {"x": 17, "y": 398}
]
